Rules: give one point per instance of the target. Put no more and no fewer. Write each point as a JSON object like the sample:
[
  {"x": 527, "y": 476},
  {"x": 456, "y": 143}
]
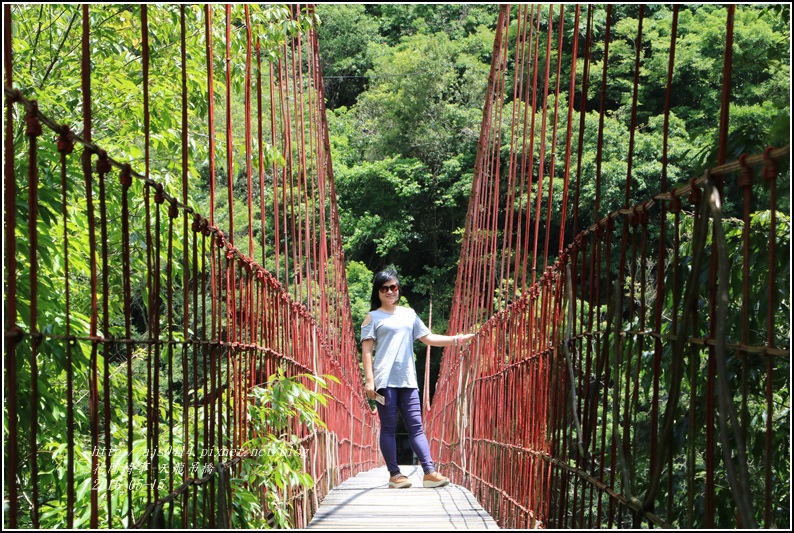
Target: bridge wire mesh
[
  {"x": 606, "y": 386},
  {"x": 181, "y": 320}
]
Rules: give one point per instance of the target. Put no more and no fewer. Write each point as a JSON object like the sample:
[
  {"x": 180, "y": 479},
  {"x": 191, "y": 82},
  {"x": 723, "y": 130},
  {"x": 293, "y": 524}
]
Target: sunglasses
[{"x": 387, "y": 288}]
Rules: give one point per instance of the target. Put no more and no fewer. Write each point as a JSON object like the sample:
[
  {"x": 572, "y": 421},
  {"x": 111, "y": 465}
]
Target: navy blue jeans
[{"x": 406, "y": 401}]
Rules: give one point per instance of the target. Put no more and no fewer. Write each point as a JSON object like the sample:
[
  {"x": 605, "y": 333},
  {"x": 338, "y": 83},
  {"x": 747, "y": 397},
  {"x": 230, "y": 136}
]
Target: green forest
[{"x": 404, "y": 90}]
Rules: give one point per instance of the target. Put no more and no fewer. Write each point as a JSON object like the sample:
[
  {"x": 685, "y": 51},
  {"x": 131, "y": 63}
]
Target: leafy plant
[{"x": 264, "y": 483}]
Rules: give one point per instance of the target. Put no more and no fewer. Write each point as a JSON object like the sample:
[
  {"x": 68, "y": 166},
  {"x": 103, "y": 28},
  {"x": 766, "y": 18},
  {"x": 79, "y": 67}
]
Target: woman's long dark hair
[{"x": 377, "y": 282}]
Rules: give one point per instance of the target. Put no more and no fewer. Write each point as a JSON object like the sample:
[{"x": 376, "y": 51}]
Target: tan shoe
[
  {"x": 399, "y": 482},
  {"x": 435, "y": 480}
]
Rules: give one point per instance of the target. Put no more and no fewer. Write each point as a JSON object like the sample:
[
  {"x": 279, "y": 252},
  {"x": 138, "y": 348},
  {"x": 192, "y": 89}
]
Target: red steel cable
[
  {"x": 261, "y": 147},
  {"x": 172, "y": 214},
  {"x": 229, "y": 136},
  {"x": 211, "y": 108},
  {"x": 554, "y": 136},
  {"x": 33, "y": 131},
  {"x": 126, "y": 183},
  {"x": 582, "y": 107},
  {"x": 13, "y": 333},
  {"x": 569, "y": 131},
  {"x": 523, "y": 90},
  {"x": 12, "y": 336},
  {"x": 189, "y": 276},
  {"x": 248, "y": 156},
  {"x": 65, "y": 147},
  {"x": 86, "y": 160},
  {"x": 507, "y": 239},
  {"x": 103, "y": 167},
  {"x": 601, "y": 113},
  {"x": 530, "y": 164},
  {"x": 770, "y": 176},
  {"x": 276, "y": 217}
]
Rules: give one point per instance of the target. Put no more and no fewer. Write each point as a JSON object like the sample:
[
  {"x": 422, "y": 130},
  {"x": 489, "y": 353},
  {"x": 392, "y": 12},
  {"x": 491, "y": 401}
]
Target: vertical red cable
[
  {"x": 188, "y": 269},
  {"x": 530, "y": 163},
  {"x": 569, "y": 130},
  {"x": 770, "y": 176},
  {"x": 554, "y": 137},
  {"x": 229, "y": 137},
  {"x": 33, "y": 131},
  {"x": 86, "y": 89},
  {"x": 11, "y": 341},
  {"x": 248, "y": 162},
  {"x": 103, "y": 167},
  {"x": 211, "y": 108},
  {"x": 126, "y": 182},
  {"x": 507, "y": 239},
  {"x": 261, "y": 147},
  {"x": 582, "y": 107},
  {"x": 65, "y": 147},
  {"x": 601, "y": 113}
]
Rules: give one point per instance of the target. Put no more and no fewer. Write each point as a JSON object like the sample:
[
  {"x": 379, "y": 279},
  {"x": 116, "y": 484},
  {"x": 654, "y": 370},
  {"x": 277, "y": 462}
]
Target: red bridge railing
[
  {"x": 637, "y": 373},
  {"x": 135, "y": 324}
]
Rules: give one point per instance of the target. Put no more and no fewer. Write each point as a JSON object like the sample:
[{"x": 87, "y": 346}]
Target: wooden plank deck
[{"x": 365, "y": 501}]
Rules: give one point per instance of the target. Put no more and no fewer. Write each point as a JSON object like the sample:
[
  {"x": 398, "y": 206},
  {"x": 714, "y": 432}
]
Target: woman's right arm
[{"x": 369, "y": 376}]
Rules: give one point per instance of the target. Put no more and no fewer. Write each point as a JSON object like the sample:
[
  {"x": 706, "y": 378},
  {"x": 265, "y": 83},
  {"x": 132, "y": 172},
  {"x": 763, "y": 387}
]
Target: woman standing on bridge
[{"x": 388, "y": 333}]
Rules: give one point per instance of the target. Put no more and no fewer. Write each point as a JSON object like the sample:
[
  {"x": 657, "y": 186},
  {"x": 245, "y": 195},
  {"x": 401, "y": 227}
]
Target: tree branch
[
  {"x": 676, "y": 368},
  {"x": 571, "y": 318},
  {"x": 739, "y": 481},
  {"x": 57, "y": 53},
  {"x": 36, "y": 39}
]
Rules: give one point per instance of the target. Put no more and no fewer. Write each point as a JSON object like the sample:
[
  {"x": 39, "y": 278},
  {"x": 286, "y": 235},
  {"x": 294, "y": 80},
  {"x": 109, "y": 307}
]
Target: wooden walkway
[{"x": 365, "y": 501}]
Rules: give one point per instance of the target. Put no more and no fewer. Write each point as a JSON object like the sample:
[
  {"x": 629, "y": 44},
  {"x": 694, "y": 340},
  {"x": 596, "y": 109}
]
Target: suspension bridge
[{"x": 623, "y": 375}]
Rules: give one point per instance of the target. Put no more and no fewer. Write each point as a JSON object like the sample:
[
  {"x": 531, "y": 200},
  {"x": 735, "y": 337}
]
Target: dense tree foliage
[
  {"x": 404, "y": 151},
  {"x": 404, "y": 135}
]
